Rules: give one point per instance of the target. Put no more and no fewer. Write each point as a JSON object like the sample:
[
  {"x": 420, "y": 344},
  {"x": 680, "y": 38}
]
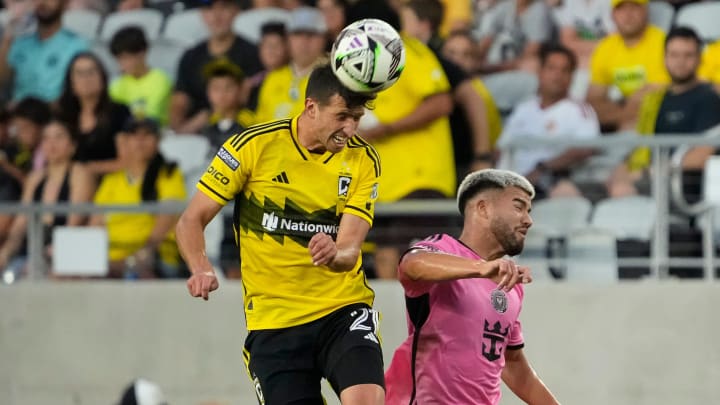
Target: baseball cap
[
  {"x": 143, "y": 392},
  {"x": 306, "y": 19},
  {"x": 135, "y": 123},
  {"x": 616, "y": 3}
]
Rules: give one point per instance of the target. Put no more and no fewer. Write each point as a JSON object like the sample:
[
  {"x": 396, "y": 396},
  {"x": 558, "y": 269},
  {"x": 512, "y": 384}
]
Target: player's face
[
  {"x": 630, "y": 18},
  {"x": 555, "y": 76},
  {"x": 682, "y": 58},
  {"x": 336, "y": 123},
  {"x": 511, "y": 219}
]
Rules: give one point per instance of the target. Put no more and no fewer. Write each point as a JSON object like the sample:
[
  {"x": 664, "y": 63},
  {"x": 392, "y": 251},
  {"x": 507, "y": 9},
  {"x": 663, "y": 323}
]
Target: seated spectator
[
  {"x": 144, "y": 90},
  {"x": 86, "y": 105},
  {"x": 628, "y": 61},
  {"x": 61, "y": 180},
  {"x": 552, "y": 114},
  {"x": 582, "y": 25},
  {"x": 334, "y": 13},
  {"x": 224, "y": 88},
  {"x": 282, "y": 93},
  {"x": 410, "y": 120},
  {"x": 686, "y": 106},
  {"x": 274, "y": 54},
  {"x": 141, "y": 244},
  {"x": 20, "y": 153},
  {"x": 510, "y": 35},
  {"x": 458, "y": 48},
  {"x": 189, "y": 108},
  {"x": 38, "y": 60}
]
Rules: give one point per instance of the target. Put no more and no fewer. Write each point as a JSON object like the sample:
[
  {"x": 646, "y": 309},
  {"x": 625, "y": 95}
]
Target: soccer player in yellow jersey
[{"x": 304, "y": 191}]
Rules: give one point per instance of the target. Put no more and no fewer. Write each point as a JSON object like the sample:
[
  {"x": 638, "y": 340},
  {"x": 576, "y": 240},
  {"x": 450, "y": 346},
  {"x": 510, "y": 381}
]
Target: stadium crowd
[{"x": 92, "y": 89}]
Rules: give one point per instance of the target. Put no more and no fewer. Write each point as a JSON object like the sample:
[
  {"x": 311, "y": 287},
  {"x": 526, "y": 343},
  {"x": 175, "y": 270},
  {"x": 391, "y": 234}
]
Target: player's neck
[
  {"x": 486, "y": 248},
  {"x": 306, "y": 137}
]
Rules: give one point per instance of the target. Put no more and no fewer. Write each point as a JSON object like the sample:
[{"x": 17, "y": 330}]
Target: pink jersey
[{"x": 458, "y": 334}]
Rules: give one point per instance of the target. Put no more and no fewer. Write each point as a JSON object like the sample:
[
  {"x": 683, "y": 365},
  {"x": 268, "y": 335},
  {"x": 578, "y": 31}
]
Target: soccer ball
[{"x": 368, "y": 56}]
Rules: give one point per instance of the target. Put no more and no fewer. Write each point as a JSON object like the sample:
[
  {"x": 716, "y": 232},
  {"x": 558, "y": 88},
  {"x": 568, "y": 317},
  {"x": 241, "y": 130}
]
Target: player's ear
[{"x": 311, "y": 107}]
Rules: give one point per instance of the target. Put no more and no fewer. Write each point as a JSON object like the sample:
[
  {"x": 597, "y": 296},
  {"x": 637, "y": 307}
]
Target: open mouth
[{"x": 339, "y": 139}]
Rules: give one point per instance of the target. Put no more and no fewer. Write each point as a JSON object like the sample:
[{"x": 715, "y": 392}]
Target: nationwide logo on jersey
[{"x": 269, "y": 219}]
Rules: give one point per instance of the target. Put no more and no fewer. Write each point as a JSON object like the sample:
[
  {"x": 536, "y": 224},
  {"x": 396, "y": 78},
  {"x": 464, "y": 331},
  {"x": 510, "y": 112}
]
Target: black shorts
[{"x": 287, "y": 365}]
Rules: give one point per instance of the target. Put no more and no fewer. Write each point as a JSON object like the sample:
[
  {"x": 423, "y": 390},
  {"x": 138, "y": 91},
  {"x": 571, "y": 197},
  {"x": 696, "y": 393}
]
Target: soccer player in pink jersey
[{"x": 463, "y": 301}]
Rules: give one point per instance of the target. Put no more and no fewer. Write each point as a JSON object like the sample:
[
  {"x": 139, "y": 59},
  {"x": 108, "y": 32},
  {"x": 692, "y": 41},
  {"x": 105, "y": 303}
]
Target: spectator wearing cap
[
  {"x": 86, "y": 105},
  {"x": 224, "y": 90},
  {"x": 141, "y": 244},
  {"x": 189, "y": 107},
  {"x": 37, "y": 60},
  {"x": 282, "y": 93},
  {"x": 144, "y": 90},
  {"x": 630, "y": 62}
]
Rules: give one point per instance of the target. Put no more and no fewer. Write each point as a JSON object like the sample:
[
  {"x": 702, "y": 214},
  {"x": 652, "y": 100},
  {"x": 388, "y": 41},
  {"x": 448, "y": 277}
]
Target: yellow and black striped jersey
[{"x": 284, "y": 194}]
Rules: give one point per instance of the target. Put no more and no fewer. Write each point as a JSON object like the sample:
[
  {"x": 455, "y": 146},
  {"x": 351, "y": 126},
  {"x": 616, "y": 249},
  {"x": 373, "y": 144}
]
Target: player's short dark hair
[
  {"x": 490, "y": 179},
  {"x": 129, "y": 39},
  {"x": 549, "y": 48},
  {"x": 32, "y": 109},
  {"x": 273, "y": 28},
  {"x": 428, "y": 10},
  {"x": 323, "y": 84},
  {"x": 684, "y": 33}
]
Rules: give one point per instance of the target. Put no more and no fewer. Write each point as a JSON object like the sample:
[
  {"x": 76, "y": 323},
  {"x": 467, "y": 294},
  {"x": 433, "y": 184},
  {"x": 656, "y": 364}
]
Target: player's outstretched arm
[
  {"x": 522, "y": 380},
  {"x": 342, "y": 253},
  {"x": 191, "y": 242},
  {"x": 420, "y": 265}
]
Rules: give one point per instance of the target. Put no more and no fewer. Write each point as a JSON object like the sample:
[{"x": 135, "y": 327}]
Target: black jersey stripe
[
  {"x": 213, "y": 191},
  {"x": 361, "y": 141},
  {"x": 369, "y": 150},
  {"x": 360, "y": 210},
  {"x": 269, "y": 130},
  {"x": 295, "y": 142},
  {"x": 258, "y": 130}
]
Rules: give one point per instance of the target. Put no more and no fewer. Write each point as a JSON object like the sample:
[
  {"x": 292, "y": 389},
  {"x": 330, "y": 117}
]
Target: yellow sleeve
[
  {"x": 709, "y": 66},
  {"x": 599, "y": 69},
  {"x": 115, "y": 90},
  {"x": 104, "y": 192},
  {"x": 229, "y": 168},
  {"x": 424, "y": 67},
  {"x": 361, "y": 202},
  {"x": 171, "y": 186}
]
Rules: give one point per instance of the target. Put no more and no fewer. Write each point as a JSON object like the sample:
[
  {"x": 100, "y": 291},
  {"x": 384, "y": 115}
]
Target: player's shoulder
[
  {"x": 438, "y": 242},
  {"x": 358, "y": 145},
  {"x": 265, "y": 132}
]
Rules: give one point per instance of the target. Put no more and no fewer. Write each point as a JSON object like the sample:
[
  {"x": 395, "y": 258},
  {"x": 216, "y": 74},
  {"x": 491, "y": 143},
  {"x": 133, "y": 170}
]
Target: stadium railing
[{"x": 662, "y": 148}]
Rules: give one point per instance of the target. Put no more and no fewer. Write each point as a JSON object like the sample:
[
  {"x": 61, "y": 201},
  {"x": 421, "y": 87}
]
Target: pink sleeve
[
  {"x": 516, "y": 336},
  {"x": 416, "y": 288}
]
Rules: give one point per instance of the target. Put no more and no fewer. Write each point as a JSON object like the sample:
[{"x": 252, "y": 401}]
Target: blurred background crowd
[{"x": 123, "y": 102}]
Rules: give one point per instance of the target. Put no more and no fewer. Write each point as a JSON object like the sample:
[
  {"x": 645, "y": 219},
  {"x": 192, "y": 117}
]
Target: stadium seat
[
  {"x": 591, "y": 256},
  {"x": 559, "y": 216},
  {"x": 661, "y": 14},
  {"x": 80, "y": 251},
  {"x": 165, "y": 55},
  {"x": 83, "y": 22},
  {"x": 248, "y": 23},
  {"x": 189, "y": 151},
  {"x": 535, "y": 254},
  {"x": 711, "y": 194},
  {"x": 508, "y": 89},
  {"x": 102, "y": 51},
  {"x": 630, "y": 217},
  {"x": 186, "y": 28},
  {"x": 702, "y": 17},
  {"x": 148, "y": 19}
]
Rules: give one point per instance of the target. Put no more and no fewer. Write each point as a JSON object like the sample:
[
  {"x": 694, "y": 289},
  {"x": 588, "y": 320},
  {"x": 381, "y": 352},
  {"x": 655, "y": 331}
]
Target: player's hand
[
  {"x": 507, "y": 273},
  {"x": 322, "y": 249},
  {"x": 202, "y": 283}
]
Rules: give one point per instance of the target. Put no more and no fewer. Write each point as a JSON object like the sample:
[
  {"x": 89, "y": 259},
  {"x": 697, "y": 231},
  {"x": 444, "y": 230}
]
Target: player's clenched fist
[
  {"x": 202, "y": 283},
  {"x": 322, "y": 249},
  {"x": 508, "y": 272}
]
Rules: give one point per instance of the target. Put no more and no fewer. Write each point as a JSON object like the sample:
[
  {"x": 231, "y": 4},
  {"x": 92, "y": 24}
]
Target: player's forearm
[
  {"x": 345, "y": 259},
  {"x": 191, "y": 243},
  {"x": 524, "y": 382},
  {"x": 435, "y": 267}
]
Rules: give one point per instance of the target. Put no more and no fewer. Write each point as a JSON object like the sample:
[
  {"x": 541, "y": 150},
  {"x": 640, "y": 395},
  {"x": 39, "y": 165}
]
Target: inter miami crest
[{"x": 498, "y": 299}]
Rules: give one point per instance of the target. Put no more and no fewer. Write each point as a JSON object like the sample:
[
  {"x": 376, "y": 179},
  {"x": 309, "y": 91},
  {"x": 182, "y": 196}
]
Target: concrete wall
[{"x": 80, "y": 343}]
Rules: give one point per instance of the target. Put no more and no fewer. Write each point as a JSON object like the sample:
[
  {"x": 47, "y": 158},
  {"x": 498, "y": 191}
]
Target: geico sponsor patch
[{"x": 228, "y": 158}]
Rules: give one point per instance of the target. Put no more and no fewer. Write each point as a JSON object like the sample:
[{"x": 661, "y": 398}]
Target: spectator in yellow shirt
[
  {"x": 710, "y": 65},
  {"x": 141, "y": 244},
  {"x": 629, "y": 61}
]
